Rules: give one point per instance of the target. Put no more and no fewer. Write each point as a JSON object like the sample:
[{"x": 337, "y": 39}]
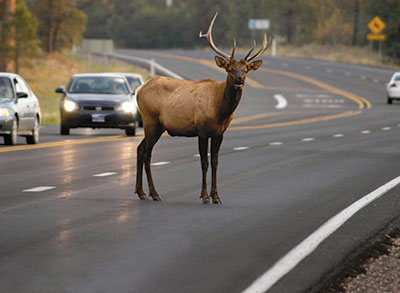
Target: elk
[{"x": 202, "y": 108}]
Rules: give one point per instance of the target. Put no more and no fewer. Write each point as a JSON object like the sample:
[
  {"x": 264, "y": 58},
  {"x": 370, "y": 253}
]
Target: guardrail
[{"x": 151, "y": 64}]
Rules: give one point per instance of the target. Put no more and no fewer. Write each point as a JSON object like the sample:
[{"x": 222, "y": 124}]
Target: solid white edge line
[
  {"x": 307, "y": 246},
  {"x": 39, "y": 189},
  {"x": 282, "y": 103}
]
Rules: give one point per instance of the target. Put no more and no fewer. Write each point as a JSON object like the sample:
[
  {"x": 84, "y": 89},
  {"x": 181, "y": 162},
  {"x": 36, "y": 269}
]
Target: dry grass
[{"x": 45, "y": 74}]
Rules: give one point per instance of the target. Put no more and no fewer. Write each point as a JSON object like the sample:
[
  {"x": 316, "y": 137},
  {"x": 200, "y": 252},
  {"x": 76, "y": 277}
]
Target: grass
[{"x": 45, "y": 74}]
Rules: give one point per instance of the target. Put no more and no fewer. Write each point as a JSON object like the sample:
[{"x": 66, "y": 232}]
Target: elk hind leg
[
  {"x": 139, "y": 170},
  {"x": 152, "y": 134}
]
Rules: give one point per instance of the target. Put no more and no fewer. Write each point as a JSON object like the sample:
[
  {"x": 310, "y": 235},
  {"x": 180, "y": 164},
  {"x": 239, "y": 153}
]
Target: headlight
[
  {"x": 69, "y": 106},
  {"x": 128, "y": 107},
  {"x": 4, "y": 112}
]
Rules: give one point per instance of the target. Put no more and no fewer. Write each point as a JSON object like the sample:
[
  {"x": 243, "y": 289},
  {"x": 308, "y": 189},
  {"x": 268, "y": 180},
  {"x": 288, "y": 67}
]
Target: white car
[{"x": 393, "y": 88}]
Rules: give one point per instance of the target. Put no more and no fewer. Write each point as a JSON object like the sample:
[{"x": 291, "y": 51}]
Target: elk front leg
[
  {"x": 215, "y": 146},
  {"x": 139, "y": 170},
  {"x": 203, "y": 149}
]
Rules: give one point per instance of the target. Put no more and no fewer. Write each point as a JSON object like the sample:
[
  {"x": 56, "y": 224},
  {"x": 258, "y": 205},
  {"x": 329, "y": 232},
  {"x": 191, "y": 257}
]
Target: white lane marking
[
  {"x": 39, "y": 189},
  {"x": 282, "y": 103},
  {"x": 338, "y": 135},
  {"x": 312, "y": 96},
  {"x": 159, "y": 163},
  {"x": 376, "y": 80},
  {"x": 308, "y": 245},
  {"x": 386, "y": 128},
  {"x": 308, "y": 139},
  {"x": 365, "y": 132},
  {"x": 241, "y": 148},
  {"x": 363, "y": 77},
  {"x": 105, "y": 174},
  {"x": 276, "y": 143}
]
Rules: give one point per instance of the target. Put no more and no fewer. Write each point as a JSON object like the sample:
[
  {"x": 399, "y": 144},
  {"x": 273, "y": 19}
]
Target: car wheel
[
  {"x": 64, "y": 130},
  {"x": 11, "y": 139},
  {"x": 389, "y": 100},
  {"x": 131, "y": 131},
  {"x": 34, "y": 138}
]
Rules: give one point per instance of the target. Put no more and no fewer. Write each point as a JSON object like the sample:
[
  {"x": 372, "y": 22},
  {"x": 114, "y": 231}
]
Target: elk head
[{"x": 236, "y": 70}]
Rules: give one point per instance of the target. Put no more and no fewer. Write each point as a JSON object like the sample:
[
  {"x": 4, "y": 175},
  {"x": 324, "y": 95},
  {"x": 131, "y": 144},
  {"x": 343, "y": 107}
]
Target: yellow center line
[
  {"x": 297, "y": 122},
  {"x": 64, "y": 143}
]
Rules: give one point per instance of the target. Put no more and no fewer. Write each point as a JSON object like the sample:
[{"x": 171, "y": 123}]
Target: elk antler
[
  {"x": 264, "y": 47},
  {"x": 210, "y": 40}
]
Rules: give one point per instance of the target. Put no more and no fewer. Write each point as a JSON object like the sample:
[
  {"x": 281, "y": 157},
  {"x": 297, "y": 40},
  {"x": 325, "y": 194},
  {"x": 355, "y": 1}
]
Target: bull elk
[{"x": 202, "y": 108}]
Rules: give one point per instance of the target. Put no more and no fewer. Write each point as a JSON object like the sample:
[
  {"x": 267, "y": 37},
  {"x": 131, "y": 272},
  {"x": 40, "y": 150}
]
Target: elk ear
[
  {"x": 221, "y": 62},
  {"x": 253, "y": 65}
]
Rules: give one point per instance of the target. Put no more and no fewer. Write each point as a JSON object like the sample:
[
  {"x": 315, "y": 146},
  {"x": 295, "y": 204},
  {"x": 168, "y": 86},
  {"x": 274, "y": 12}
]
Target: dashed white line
[
  {"x": 338, "y": 135},
  {"x": 376, "y": 80},
  {"x": 105, "y": 174},
  {"x": 39, "y": 189},
  {"x": 363, "y": 77},
  {"x": 282, "y": 103},
  {"x": 241, "y": 148},
  {"x": 308, "y": 139},
  {"x": 386, "y": 128},
  {"x": 365, "y": 132},
  {"x": 159, "y": 163},
  {"x": 276, "y": 143},
  {"x": 289, "y": 261}
]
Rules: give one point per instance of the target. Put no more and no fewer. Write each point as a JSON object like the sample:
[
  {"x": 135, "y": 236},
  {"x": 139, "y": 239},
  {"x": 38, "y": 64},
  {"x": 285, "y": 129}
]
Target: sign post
[
  {"x": 258, "y": 24},
  {"x": 376, "y": 25}
]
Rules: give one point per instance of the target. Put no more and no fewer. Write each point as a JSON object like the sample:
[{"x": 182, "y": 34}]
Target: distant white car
[{"x": 393, "y": 88}]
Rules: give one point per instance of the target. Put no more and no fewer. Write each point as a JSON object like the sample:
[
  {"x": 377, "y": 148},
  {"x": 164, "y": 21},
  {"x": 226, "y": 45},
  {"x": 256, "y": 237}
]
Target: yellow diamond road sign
[{"x": 376, "y": 25}]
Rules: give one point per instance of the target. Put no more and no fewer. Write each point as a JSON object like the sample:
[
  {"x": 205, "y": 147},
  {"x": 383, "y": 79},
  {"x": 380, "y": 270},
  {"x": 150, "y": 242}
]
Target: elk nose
[{"x": 239, "y": 80}]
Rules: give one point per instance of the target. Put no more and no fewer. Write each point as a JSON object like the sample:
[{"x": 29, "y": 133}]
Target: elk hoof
[
  {"x": 155, "y": 197},
  {"x": 206, "y": 200},
  {"x": 204, "y": 197},
  {"x": 217, "y": 201},
  {"x": 142, "y": 196}
]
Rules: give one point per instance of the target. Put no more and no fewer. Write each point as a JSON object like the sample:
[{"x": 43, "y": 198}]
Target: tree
[
  {"x": 7, "y": 8},
  {"x": 61, "y": 24},
  {"x": 25, "y": 39}
]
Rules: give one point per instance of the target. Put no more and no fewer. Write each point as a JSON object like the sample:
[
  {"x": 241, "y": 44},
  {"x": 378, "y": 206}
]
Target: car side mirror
[
  {"x": 21, "y": 95},
  {"x": 60, "y": 90}
]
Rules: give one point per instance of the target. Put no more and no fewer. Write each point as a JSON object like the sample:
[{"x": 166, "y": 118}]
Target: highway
[{"x": 309, "y": 138}]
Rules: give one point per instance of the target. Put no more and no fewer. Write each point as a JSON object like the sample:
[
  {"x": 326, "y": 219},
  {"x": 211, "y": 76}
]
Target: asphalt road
[{"x": 283, "y": 172}]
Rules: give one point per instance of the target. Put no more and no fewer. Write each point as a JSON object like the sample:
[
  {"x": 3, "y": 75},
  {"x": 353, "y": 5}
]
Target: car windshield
[
  {"x": 396, "y": 78},
  {"x": 98, "y": 85},
  {"x": 133, "y": 82},
  {"x": 6, "y": 89}
]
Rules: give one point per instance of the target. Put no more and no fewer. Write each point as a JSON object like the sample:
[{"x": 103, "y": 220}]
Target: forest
[{"x": 43, "y": 26}]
